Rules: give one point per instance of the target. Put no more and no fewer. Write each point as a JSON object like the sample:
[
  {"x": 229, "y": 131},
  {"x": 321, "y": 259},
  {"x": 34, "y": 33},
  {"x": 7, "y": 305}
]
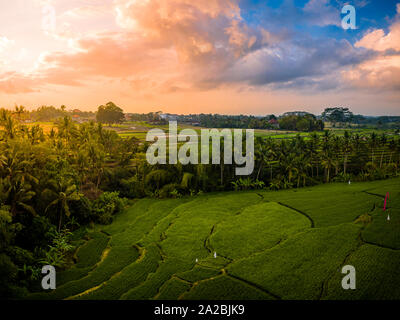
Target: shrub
[
  {"x": 20, "y": 256},
  {"x": 6, "y": 234},
  {"x": 8, "y": 273},
  {"x": 247, "y": 184},
  {"x": 157, "y": 178},
  {"x": 81, "y": 210},
  {"x": 107, "y": 205},
  {"x": 56, "y": 256},
  {"x": 132, "y": 188},
  {"x": 37, "y": 234},
  {"x": 171, "y": 190}
]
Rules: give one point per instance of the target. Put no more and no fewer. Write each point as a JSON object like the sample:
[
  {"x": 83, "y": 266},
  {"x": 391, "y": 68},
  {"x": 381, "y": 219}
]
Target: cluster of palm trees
[
  {"x": 53, "y": 180},
  {"x": 41, "y": 173},
  {"x": 288, "y": 163},
  {"x": 323, "y": 158}
]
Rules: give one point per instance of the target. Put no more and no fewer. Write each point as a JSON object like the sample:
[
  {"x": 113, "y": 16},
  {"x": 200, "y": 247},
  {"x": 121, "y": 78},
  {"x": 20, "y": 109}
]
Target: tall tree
[
  {"x": 63, "y": 191},
  {"x": 110, "y": 113}
]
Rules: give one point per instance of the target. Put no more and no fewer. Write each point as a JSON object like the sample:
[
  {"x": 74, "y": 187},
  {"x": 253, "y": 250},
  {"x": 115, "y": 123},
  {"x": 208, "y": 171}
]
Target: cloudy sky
[{"x": 211, "y": 56}]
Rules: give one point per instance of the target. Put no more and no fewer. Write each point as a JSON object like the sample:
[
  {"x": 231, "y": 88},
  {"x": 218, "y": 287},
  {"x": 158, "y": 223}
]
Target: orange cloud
[
  {"x": 177, "y": 42},
  {"x": 87, "y": 11},
  {"x": 12, "y": 82},
  {"x": 378, "y": 41},
  {"x": 383, "y": 70}
]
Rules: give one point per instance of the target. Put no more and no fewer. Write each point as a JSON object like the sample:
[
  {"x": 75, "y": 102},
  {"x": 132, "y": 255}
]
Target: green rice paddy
[{"x": 289, "y": 244}]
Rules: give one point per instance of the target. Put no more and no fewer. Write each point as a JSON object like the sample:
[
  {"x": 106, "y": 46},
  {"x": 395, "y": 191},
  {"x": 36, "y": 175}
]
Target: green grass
[
  {"x": 90, "y": 253},
  {"x": 327, "y": 205},
  {"x": 195, "y": 221},
  {"x": 377, "y": 275},
  {"x": 144, "y": 223},
  {"x": 117, "y": 259},
  {"x": 384, "y": 232},
  {"x": 288, "y": 244},
  {"x": 71, "y": 274},
  {"x": 297, "y": 268},
  {"x": 262, "y": 226},
  {"x": 225, "y": 288},
  {"x": 198, "y": 273},
  {"x": 127, "y": 278},
  {"x": 173, "y": 289},
  {"x": 150, "y": 288}
]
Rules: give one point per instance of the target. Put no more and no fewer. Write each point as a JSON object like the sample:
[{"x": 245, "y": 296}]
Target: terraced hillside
[{"x": 244, "y": 245}]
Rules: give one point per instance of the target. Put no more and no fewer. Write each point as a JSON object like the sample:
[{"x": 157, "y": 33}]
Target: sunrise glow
[{"x": 210, "y": 56}]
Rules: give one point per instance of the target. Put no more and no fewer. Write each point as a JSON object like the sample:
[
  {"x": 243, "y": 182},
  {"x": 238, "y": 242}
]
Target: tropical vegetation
[{"x": 56, "y": 183}]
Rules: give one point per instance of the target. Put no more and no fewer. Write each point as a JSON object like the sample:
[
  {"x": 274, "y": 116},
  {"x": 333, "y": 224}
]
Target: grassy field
[
  {"x": 139, "y": 129},
  {"x": 287, "y": 244},
  {"x": 274, "y": 134}
]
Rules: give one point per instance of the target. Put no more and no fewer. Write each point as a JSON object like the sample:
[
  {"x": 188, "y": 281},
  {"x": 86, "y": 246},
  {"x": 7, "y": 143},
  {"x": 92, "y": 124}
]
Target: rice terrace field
[{"x": 289, "y": 244}]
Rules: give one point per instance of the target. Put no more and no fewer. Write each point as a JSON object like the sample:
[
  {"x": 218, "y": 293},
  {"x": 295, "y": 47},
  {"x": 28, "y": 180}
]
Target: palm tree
[
  {"x": 326, "y": 138},
  {"x": 97, "y": 159},
  {"x": 3, "y": 115},
  {"x": 290, "y": 167},
  {"x": 82, "y": 163},
  {"x": 19, "y": 194},
  {"x": 66, "y": 129},
  {"x": 64, "y": 191},
  {"x": 261, "y": 153},
  {"x": 328, "y": 163},
  {"x": 127, "y": 150},
  {"x": 302, "y": 164},
  {"x": 35, "y": 134},
  {"x": 372, "y": 144},
  {"x": 336, "y": 146},
  {"x": 271, "y": 154},
  {"x": 347, "y": 148},
  {"x": 10, "y": 127},
  {"x": 392, "y": 148},
  {"x": 313, "y": 149},
  {"x": 19, "y": 111},
  {"x": 382, "y": 141}
]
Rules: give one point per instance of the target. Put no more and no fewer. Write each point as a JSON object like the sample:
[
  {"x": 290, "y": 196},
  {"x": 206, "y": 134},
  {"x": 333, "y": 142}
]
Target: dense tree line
[
  {"x": 342, "y": 117},
  {"x": 229, "y": 121},
  {"x": 306, "y": 122},
  {"x": 147, "y": 117},
  {"x": 48, "y": 113},
  {"x": 301, "y": 123}
]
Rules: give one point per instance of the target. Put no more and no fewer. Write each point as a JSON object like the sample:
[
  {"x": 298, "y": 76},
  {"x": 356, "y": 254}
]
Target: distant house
[{"x": 273, "y": 123}]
